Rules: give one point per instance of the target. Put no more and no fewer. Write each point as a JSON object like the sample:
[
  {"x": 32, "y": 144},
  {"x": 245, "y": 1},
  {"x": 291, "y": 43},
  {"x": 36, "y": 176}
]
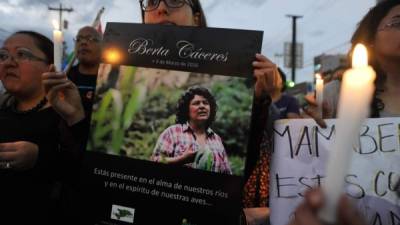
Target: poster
[
  {"x": 300, "y": 154},
  {"x": 136, "y": 170}
]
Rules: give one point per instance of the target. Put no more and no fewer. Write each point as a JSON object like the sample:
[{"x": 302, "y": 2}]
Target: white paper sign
[{"x": 300, "y": 155}]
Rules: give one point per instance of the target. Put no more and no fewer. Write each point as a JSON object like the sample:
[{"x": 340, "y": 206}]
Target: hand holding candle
[
  {"x": 319, "y": 93},
  {"x": 354, "y": 102},
  {"x": 58, "y": 46}
]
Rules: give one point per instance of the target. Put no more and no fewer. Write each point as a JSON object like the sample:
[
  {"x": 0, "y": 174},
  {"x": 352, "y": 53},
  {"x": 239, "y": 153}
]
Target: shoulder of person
[
  {"x": 292, "y": 98},
  {"x": 5, "y": 100},
  {"x": 175, "y": 128},
  {"x": 286, "y": 99}
]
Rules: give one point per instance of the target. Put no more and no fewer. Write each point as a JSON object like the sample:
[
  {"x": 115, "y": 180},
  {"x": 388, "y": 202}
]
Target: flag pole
[{"x": 94, "y": 24}]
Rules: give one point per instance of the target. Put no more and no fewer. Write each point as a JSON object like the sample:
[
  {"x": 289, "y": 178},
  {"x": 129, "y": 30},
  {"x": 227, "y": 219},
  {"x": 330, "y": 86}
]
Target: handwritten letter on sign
[{"x": 301, "y": 150}]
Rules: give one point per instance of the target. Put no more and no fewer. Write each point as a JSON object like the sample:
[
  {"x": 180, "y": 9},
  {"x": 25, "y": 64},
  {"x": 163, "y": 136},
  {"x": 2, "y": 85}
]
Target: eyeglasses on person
[
  {"x": 90, "y": 39},
  {"x": 150, "y": 5},
  {"x": 394, "y": 24},
  {"x": 21, "y": 55}
]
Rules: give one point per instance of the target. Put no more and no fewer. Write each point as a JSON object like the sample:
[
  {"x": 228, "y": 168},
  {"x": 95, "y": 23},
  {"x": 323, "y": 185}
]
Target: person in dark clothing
[
  {"x": 287, "y": 105},
  {"x": 84, "y": 74},
  {"x": 39, "y": 134}
]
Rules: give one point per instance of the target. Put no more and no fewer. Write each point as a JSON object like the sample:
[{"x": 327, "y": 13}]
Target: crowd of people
[{"x": 44, "y": 114}]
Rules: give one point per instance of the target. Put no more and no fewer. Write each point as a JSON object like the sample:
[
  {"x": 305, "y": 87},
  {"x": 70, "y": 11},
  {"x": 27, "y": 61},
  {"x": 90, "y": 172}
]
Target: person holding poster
[
  {"x": 190, "y": 13},
  {"x": 379, "y": 32},
  {"x": 191, "y": 141},
  {"x": 34, "y": 160}
]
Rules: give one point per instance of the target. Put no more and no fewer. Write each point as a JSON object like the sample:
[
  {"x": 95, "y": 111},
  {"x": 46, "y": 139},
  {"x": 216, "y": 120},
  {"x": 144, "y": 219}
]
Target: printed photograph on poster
[{"x": 148, "y": 114}]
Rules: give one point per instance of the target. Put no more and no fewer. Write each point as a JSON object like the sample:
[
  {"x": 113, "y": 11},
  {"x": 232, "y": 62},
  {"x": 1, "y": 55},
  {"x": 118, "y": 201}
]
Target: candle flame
[
  {"x": 360, "y": 56},
  {"x": 112, "y": 56},
  {"x": 318, "y": 76},
  {"x": 55, "y": 25}
]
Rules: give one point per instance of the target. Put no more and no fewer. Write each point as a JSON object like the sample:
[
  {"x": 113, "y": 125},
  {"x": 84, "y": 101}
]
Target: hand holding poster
[{"x": 300, "y": 155}]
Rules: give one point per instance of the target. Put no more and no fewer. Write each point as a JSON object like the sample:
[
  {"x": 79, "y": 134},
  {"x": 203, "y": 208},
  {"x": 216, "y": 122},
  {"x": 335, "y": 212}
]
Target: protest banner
[{"x": 301, "y": 150}]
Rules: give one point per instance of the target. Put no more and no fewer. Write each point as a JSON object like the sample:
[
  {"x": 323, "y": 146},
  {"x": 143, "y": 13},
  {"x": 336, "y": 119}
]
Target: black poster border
[
  {"x": 206, "y": 50},
  {"x": 96, "y": 169}
]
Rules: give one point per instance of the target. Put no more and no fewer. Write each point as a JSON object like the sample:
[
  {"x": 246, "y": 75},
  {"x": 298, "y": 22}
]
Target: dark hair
[
  {"x": 96, "y": 33},
  {"x": 196, "y": 8},
  {"x": 283, "y": 77},
  {"x": 365, "y": 34},
  {"x": 182, "y": 108},
  {"x": 42, "y": 42}
]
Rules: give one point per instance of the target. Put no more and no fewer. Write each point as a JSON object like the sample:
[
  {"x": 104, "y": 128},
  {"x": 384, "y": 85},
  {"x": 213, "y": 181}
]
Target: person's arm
[
  {"x": 77, "y": 133},
  {"x": 256, "y": 216},
  {"x": 164, "y": 151},
  {"x": 19, "y": 155},
  {"x": 187, "y": 157},
  {"x": 73, "y": 140},
  {"x": 63, "y": 96},
  {"x": 73, "y": 129},
  {"x": 267, "y": 81},
  {"x": 259, "y": 120}
]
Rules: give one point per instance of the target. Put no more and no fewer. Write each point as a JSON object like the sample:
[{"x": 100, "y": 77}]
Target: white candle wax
[
  {"x": 58, "y": 47},
  {"x": 319, "y": 93},
  {"x": 354, "y": 102}
]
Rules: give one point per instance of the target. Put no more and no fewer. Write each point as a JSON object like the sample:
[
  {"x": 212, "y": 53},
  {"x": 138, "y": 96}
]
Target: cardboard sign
[
  {"x": 137, "y": 134},
  {"x": 207, "y": 50},
  {"x": 301, "y": 152}
]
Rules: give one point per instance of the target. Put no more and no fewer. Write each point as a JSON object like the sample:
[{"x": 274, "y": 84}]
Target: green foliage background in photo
[{"x": 122, "y": 124}]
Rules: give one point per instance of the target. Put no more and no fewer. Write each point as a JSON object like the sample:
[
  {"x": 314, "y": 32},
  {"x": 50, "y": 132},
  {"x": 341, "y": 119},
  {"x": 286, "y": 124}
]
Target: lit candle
[
  {"x": 354, "y": 102},
  {"x": 319, "y": 93},
  {"x": 58, "y": 46},
  {"x": 112, "y": 56}
]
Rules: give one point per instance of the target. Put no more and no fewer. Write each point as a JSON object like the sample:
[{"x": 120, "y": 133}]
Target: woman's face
[
  {"x": 199, "y": 109},
  {"x": 182, "y": 16},
  {"x": 22, "y": 76},
  {"x": 387, "y": 39}
]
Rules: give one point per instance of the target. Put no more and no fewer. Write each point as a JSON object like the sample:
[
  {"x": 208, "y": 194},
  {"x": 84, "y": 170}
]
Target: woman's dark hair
[
  {"x": 42, "y": 42},
  {"x": 365, "y": 34},
  {"x": 283, "y": 77},
  {"x": 182, "y": 108},
  {"x": 196, "y": 8}
]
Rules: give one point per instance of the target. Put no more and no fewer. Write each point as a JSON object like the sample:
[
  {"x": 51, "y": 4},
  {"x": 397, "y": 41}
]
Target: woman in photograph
[{"x": 191, "y": 141}]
